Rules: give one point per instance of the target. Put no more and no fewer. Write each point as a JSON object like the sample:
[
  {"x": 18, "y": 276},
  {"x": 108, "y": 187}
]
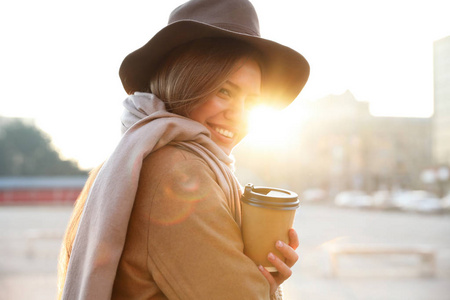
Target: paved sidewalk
[{"x": 28, "y": 268}]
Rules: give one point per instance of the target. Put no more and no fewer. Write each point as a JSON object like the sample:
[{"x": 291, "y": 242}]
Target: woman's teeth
[{"x": 224, "y": 132}]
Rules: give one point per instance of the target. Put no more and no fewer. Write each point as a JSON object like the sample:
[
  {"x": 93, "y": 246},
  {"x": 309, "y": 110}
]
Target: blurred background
[{"x": 366, "y": 145}]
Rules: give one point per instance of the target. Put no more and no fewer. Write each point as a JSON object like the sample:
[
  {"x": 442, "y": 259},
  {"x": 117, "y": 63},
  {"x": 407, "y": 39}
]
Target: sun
[{"x": 267, "y": 127}]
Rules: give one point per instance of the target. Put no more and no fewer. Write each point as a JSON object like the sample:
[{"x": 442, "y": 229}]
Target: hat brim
[{"x": 284, "y": 70}]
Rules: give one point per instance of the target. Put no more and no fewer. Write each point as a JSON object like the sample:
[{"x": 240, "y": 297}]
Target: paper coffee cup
[{"x": 267, "y": 215}]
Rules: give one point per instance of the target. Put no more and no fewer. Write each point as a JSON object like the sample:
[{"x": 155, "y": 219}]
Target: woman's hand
[{"x": 284, "y": 268}]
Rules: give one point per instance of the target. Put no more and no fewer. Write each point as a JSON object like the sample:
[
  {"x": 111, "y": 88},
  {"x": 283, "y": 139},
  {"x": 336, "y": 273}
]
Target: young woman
[{"x": 160, "y": 219}]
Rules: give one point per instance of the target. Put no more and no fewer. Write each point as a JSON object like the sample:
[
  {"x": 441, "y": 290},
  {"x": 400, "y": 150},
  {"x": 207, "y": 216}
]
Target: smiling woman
[{"x": 164, "y": 207}]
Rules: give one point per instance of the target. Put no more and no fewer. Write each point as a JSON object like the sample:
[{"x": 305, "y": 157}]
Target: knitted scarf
[{"x": 100, "y": 238}]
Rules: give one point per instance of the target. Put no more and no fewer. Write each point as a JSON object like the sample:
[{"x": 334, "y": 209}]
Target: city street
[{"x": 29, "y": 244}]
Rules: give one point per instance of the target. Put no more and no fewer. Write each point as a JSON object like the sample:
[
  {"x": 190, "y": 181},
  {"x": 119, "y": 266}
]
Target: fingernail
[
  {"x": 271, "y": 256},
  {"x": 261, "y": 268},
  {"x": 280, "y": 244}
]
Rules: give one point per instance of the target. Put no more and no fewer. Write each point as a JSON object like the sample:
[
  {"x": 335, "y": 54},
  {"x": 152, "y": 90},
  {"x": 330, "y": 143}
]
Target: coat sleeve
[{"x": 195, "y": 248}]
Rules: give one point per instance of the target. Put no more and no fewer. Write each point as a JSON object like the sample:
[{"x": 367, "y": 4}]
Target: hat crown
[{"x": 234, "y": 15}]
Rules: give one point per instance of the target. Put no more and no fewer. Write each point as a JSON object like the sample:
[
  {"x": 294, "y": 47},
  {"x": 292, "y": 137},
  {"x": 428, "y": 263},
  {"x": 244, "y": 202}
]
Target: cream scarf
[{"x": 100, "y": 238}]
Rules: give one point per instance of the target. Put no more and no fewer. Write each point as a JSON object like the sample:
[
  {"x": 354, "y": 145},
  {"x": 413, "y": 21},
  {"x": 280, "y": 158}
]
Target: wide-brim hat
[{"x": 284, "y": 70}]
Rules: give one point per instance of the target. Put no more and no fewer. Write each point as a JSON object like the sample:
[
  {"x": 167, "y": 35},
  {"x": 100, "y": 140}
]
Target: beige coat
[{"x": 182, "y": 240}]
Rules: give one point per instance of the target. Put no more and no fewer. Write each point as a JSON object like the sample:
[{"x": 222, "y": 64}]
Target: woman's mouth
[
  {"x": 225, "y": 137},
  {"x": 224, "y": 132}
]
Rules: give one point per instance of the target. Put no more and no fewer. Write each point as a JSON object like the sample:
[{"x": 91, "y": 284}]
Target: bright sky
[{"x": 59, "y": 60}]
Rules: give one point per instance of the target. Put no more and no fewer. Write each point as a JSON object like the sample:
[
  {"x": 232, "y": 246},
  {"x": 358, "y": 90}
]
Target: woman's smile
[{"x": 223, "y": 131}]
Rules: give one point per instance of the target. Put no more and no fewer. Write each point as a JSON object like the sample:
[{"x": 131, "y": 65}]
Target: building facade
[
  {"x": 341, "y": 146},
  {"x": 441, "y": 117},
  {"x": 353, "y": 150}
]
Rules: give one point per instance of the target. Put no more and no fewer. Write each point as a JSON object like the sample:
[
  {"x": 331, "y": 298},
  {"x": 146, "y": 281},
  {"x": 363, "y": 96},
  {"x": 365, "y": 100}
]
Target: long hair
[
  {"x": 185, "y": 79},
  {"x": 69, "y": 236}
]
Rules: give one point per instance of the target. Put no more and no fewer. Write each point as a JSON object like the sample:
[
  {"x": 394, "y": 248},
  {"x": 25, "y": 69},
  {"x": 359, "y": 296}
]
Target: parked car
[
  {"x": 382, "y": 199},
  {"x": 417, "y": 200},
  {"x": 429, "y": 205},
  {"x": 445, "y": 203},
  {"x": 314, "y": 195},
  {"x": 355, "y": 199}
]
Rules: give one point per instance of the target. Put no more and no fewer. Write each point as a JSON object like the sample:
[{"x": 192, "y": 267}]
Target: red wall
[{"x": 39, "y": 196}]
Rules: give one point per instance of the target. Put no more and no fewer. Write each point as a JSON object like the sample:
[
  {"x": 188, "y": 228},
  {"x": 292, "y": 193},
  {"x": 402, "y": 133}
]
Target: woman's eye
[{"x": 225, "y": 92}]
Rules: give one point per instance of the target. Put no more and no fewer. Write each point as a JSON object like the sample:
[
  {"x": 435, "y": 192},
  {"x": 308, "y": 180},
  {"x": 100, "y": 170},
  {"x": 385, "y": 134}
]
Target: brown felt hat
[{"x": 284, "y": 71}]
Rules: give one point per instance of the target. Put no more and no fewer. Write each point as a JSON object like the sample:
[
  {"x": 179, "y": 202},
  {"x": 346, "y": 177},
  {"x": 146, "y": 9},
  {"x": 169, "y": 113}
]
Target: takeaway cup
[{"x": 267, "y": 215}]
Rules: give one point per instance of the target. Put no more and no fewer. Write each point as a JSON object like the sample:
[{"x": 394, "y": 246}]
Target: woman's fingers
[
  {"x": 290, "y": 256},
  {"x": 293, "y": 238},
  {"x": 277, "y": 278},
  {"x": 283, "y": 266},
  {"x": 272, "y": 282},
  {"x": 284, "y": 271}
]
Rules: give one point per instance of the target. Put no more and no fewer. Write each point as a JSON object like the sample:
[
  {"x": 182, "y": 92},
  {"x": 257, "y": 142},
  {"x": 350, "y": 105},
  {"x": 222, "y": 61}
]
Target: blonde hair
[
  {"x": 69, "y": 236},
  {"x": 185, "y": 79}
]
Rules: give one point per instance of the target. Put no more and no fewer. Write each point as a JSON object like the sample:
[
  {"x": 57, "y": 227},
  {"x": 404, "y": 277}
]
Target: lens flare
[{"x": 180, "y": 198}]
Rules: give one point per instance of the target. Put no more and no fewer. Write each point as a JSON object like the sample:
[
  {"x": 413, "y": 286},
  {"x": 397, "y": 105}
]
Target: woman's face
[{"x": 225, "y": 113}]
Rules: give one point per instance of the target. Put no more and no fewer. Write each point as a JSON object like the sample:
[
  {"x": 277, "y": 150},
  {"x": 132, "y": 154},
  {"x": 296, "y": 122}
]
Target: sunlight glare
[{"x": 267, "y": 127}]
